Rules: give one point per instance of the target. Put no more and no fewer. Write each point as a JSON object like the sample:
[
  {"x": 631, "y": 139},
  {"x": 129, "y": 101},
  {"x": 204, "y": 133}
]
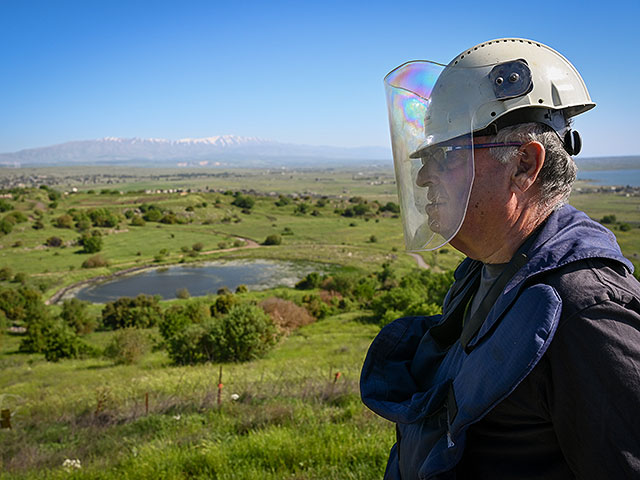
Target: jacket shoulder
[{"x": 592, "y": 281}]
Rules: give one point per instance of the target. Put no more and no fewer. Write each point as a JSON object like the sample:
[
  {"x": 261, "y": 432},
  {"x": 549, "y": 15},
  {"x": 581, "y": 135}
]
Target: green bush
[
  {"x": 127, "y": 346},
  {"x": 608, "y": 219},
  {"x": 75, "y": 314},
  {"x": 95, "y": 261},
  {"x": 142, "y": 312},
  {"x": 5, "y": 206},
  {"x": 282, "y": 201},
  {"x": 183, "y": 293},
  {"x": 6, "y": 274},
  {"x": 198, "y": 246},
  {"x": 91, "y": 242},
  {"x": 310, "y": 281},
  {"x": 63, "y": 221},
  {"x": 273, "y": 239},
  {"x": 177, "y": 317},
  {"x": 53, "y": 242},
  {"x": 137, "y": 221},
  {"x": 243, "y": 334},
  {"x": 625, "y": 227},
  {"x": 62, "y": 342},
  {"x": 244, "y": 201},
  {"x": 6, "y": 226},
  {"x": 223, "y": 304}
]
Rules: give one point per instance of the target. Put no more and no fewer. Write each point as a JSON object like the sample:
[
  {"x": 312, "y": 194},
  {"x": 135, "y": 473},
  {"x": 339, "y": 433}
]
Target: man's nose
[{"x": 427, "y": 175}]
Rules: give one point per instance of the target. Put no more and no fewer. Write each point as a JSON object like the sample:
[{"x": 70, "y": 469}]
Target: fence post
[{"x": 5, "y": 418}]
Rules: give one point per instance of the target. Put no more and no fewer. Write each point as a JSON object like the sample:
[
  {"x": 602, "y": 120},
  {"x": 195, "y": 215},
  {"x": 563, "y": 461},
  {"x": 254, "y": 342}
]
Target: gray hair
[{"x": 558, "y": 171}]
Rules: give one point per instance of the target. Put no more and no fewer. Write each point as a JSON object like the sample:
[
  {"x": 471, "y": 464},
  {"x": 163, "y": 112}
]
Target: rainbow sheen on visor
[{"x": 433, "y": 201}]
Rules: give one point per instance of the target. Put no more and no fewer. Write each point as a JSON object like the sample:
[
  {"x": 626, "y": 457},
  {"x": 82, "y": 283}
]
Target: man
[{"x": 533, "y": 369}]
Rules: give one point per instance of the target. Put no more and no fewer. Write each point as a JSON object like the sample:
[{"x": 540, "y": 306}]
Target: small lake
[
  {"x": 611, "y": 177},
  {"x": 199, "y": 280}
]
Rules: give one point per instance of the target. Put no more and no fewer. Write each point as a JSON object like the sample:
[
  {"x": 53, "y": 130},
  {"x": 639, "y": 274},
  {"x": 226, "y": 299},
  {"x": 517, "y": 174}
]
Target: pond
[{"x": 199, "y": 280}]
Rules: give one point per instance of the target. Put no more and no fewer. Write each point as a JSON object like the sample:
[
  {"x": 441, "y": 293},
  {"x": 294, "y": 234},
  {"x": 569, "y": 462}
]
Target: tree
[
  {"x": 273, "y": 239},
  {"x": 75, "y": 314},
  {"x": 244, "y": 201},
  {"x": 91, "y": 242},
  {"x": 142, "y": 312}
]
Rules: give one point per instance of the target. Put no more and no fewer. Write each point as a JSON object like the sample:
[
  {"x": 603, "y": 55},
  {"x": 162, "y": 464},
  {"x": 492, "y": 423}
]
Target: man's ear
[{"x": 528, "y": 162}]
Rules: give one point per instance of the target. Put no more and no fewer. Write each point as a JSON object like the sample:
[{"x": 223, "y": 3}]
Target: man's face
[
  {"x": 447, "y": 175},
  {"x": 448, "y": 183}
]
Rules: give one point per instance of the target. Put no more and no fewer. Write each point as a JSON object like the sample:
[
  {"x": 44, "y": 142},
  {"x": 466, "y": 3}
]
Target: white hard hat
[
  {"x": 485, "y": 88},
  {"x": 504, "y": 82}
]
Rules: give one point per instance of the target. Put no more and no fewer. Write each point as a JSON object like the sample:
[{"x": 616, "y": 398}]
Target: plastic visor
[{"x": 434, "y": 188}]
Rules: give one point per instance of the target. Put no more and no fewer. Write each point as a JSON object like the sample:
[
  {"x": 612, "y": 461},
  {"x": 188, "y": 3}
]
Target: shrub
[
  {"x": 223, "y": 304},
  {"x": 127, "y": 346},
  {"x": 608, "y": 219},
  {"x": 316, "y": 307},
  {"x": 95, "y": 262},
  {"x": 183, "y": 293},
  {"x": 198, "y": 246},
  {"x": 245, "y": 333},
  {"x": 625, "y": 227},
  {"x": 5, "y": 206},
  {"x": 242, "y": 289},
  {"x": 75, "y": 314},
  {"x": 101, "y": 217},
  {"x": 53, "y": 242},
  {"x": 152, "y": 214},
  {"x": 373, "y": 239},
  {"x": 20, "y": 277},
  {"x": 177, "y": 317},
  {"x": 63, "y": 221},
  {"x": 302, "y": 208},
  {"x": 38, "y": 225},
  {"x": 62, "y": 342},
  {"x": 282, "y": 201},
  {"x": 6, "y": 226},
  {"x": 390, "y": 207},
  {"x": 245, "y": 202},
  {"x": 286, "y": 315},
  {"x": 142, "y": 312},
  {"x": 6, "y": 274},
  {"x": 273, "y": 239},
  {"x": 91, "y": 242},
  {"x": 137, "y": 221},
  {"x": 311, "y": 280}
]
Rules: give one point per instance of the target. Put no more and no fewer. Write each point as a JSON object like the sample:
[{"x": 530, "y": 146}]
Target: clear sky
[{"x": 298, "y": 71}]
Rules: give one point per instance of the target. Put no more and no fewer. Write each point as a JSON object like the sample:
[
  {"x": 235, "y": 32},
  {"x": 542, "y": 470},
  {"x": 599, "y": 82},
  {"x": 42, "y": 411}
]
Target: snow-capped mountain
[{"x": 223, "y": 150}]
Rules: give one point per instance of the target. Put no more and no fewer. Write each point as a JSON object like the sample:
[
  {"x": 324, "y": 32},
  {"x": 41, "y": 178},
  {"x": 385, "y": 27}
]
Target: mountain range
[{"x": 218, "y": 151}]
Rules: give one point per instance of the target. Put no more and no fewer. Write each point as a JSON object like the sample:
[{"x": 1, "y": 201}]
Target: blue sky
[{"x": 299, "y": 72}]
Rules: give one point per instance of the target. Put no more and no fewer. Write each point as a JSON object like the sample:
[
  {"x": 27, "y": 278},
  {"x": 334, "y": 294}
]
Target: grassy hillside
[{"x": 294, "y": 414}]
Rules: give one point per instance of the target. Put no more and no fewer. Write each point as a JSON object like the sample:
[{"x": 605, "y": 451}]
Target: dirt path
[{"x": 419, "y": 260}]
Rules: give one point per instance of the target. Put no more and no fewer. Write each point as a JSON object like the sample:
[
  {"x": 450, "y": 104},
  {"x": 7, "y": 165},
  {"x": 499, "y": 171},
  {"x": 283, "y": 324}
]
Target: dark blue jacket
[{"x": 435, "y": 392}]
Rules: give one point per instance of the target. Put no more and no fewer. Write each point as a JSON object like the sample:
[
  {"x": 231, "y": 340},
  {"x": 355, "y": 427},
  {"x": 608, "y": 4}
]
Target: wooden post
[
  {"x": 146, "y": 403},
  {"x": 220, "y": 387},
  {"x": 5, "y": 418}
]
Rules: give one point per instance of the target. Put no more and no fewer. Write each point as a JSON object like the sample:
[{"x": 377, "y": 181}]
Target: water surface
[{"x": 199, "y": 280}]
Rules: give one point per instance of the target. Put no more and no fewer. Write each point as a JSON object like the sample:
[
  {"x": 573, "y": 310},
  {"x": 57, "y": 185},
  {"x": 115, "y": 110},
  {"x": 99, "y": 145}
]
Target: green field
[{"x": 294, "y": 418}]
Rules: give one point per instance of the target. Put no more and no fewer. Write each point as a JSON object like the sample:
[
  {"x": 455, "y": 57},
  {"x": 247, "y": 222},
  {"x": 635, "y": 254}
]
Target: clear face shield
[{"x": 432, "y": 143}]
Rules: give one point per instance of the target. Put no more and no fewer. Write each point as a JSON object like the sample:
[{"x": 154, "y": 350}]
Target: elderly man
[{"x": 533, "y": 369}]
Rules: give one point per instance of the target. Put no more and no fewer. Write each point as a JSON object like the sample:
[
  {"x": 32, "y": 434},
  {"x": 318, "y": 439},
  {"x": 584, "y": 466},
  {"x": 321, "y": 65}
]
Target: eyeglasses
[{"x": 445, "y": 158}]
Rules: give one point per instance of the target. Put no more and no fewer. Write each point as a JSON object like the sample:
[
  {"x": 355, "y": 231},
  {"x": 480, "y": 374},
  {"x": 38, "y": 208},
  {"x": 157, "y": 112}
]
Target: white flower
[
  {"x": 71, "y": 464},
  {"x": 235, "y": 396},
  {"x": 176, "y": 417}
]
